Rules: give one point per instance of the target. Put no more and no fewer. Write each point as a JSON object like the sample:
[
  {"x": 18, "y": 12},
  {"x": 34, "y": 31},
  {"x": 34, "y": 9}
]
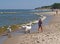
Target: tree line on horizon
[{"x": 53, "y": 6}]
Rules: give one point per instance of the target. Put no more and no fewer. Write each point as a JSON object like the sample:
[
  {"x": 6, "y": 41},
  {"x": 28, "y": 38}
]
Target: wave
[{"x": 36, "y": 21}]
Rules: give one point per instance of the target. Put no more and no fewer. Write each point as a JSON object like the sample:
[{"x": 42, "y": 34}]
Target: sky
[{"x": 25, "y": 4}]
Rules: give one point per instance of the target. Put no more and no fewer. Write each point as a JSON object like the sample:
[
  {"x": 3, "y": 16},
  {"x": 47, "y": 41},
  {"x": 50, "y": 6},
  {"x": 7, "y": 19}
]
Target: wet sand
[{"x": 50, "y": 35}]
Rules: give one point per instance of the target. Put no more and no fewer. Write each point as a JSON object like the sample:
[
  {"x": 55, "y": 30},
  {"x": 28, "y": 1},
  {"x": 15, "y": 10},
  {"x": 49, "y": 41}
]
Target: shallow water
[{"x": 34, "y": 29}]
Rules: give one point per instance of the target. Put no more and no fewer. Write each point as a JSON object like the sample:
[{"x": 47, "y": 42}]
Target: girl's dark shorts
[{"x": 39, "y": 25}]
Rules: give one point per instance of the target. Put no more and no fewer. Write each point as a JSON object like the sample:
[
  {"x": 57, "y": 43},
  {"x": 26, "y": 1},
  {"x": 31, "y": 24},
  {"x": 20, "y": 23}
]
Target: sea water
[{"x": 20, "y": 16}]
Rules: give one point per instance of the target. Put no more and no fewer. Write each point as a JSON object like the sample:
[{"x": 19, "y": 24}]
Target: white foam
[{"x": 36, "y": 21}]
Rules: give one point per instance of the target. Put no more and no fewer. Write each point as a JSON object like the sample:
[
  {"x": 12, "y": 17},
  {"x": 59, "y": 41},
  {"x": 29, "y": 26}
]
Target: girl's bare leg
[{"x": 40, "y": 29}]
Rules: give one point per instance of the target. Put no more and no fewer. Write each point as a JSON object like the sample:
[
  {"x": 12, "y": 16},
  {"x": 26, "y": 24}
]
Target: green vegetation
[
  {"x": 47, "y": 7},
  {"x": 53, "y": 6},
  {"x": 44, "y": 7},
  {"x": 56, "y": 6},
  {"x": 4, "y": 28},
  {"x": 15, "y": 27}
]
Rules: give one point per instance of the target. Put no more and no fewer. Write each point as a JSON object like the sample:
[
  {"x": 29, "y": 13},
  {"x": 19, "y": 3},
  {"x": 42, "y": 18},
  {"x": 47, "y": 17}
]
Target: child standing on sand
[{"x": 40, "y": 25}]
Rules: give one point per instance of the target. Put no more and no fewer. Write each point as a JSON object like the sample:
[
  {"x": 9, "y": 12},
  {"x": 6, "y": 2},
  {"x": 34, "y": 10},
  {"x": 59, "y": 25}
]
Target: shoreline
[
  {"x": 50, "y": 35},
  {"x": 19, "y": 35},
  {"x": 19, "y": 26},
  {"x": 24, "y": 36},
  {"x": 36, "y": 21}
]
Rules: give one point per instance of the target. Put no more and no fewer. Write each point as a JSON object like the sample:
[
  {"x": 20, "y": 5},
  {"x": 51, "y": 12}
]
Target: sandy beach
[{"x": 50, "y": 34}]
